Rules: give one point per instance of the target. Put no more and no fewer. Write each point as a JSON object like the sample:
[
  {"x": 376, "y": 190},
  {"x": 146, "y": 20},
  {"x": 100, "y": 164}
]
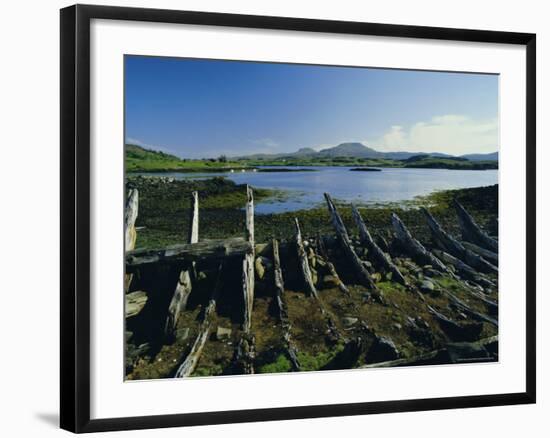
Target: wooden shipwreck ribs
[{"x": 470, "y": 262}]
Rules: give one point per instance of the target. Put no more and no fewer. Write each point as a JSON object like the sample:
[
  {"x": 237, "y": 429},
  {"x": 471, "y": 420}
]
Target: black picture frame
[{"x": 75, "y": 217}]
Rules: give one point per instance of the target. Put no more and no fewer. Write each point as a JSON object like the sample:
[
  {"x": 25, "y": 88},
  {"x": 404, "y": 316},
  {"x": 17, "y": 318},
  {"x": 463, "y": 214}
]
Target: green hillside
[
  {"x": 139, "y": 159},
  {"x": 456, "y": 163}
]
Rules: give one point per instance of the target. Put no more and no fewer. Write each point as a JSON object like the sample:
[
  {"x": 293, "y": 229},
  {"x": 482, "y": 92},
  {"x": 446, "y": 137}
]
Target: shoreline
[
  {"x": 163, "y": 220},
  {"x": 164, "y": 207}
]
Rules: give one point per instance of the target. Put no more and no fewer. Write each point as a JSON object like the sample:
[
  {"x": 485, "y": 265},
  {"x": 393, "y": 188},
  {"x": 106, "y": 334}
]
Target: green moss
[
  {"x": 315, "y": 362},
  {"x": 280, "y": 365},
  {"x": 214, "y": 370}
]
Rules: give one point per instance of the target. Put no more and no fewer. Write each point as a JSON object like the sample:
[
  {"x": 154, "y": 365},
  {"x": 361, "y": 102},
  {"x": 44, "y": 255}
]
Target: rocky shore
[{"x": 419, "y": 320}]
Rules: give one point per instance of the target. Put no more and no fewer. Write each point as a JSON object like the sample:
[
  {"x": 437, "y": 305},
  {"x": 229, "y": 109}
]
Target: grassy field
[
  {"x": 426, "y": 162},
  {"x": 139, "y": 159}
]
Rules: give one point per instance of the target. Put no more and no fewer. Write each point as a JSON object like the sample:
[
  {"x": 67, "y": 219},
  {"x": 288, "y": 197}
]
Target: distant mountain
[
  {"x": 304, "y": 152},
  {"x": 481, "y": 157},
  {"x": 359, "y": 150}
]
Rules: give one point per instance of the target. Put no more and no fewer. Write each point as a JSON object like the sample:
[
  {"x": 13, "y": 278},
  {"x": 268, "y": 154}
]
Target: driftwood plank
[
  {"x": 472, "y": 232},
  {"x": 130, "y": 217},
  {"x": 248, "y": 262},
  {"x": 192, "y": 359},
  {"x": 440, "y": 356},
  {"x": 379, "y": 257},
  {"x": 304, "y": 264},
  {"x": 130, "y": 234},
  {"x": 345, "y": 242},
  {"x": 185, "y": 285},
  {"x": 448, "y": 243},
  {"x": 283, "y": 314},
  {"x": 464, "y": 270},
  {"x": 455, "y": 331},
  {"x": 462, "y": 306},
  {"x": 414, "y": 248},
  {"x": 490, "y": 256},
  {"x": 324, "y": 254},
  {"x": 308, "y": 281},
  {"x": 188, "y": 252}
]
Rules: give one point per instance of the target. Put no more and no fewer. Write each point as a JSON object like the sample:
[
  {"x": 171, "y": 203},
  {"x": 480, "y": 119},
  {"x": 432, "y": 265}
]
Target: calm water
[{"x": 305, "y": 189}]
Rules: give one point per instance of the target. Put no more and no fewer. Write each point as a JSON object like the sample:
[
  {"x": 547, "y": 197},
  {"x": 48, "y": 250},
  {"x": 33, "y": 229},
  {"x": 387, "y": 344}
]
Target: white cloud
[{"x": 450, "y": 133}]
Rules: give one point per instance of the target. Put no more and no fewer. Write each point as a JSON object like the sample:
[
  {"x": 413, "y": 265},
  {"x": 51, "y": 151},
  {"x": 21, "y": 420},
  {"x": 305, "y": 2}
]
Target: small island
[
  {"x": 365, "y": 169},
  {"x": 286, "y": 169}
]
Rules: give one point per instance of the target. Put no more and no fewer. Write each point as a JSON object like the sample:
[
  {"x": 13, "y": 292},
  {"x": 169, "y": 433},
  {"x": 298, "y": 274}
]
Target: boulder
[
  {"x": 383, "y": 349},
  {"x": 427, "y": 286},
  {"x": 376, "y": 277},
  {"x": 223, "y": 333},
  {"x": 348, "y": 321}
]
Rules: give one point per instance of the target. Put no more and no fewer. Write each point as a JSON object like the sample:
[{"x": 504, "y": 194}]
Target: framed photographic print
[{"x": 273, "y": 218}]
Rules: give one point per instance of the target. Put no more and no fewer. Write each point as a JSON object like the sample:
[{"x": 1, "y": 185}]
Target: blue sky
[{"x": 205, "y": 108}]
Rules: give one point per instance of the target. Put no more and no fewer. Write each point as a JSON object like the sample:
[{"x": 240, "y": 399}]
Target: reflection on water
[{"x": 305, "y": 189}]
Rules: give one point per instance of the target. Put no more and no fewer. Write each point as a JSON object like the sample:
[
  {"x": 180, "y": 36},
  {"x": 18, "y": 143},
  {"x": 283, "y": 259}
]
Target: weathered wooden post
[
  {"x": 192, "y": 359},
  {"x": 472, "y": 232},
  {"x": 246, "y": 347},
  {"x": 130, "y": 234},
  {"x": 414, "y": 248},
  {"x": 379, "y": 257},
  {"x": 283, "y": 314},
  {"x": 184, "y": 286},
  {"x": 248, "y": 262},
  {"x": 345, "y": 242},
  {"x": 332, "y": 269},
  {"x": 304, "y": 264},
  {"x": 448, "y": 243}
]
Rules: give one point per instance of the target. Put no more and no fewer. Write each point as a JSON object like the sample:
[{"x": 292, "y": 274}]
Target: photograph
[{"x": 283, "y": 218}]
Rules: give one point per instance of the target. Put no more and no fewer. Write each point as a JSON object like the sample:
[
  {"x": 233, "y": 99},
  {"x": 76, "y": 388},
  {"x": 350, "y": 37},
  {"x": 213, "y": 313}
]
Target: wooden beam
[
  {"x": 131, "y": 213},
  {"x": 324, "y": 254},
  {"x": 453, "y": 330},
  {"x": 448, "y": 243},
  {"x": 248, "y": 262},
  {"x": 308, "y": 281},
  {"x": 434, "y": 356},
  {"x": 184, "y": 286},
  {"x": 283, "y": 314},
  {"x": 379, "y": 257},
  {"x": 130, "y": 234},
  {"x": 414, "y": 248},
  {"x": 472, "y": 232},
  {"x": 490, "y": 256},
  {"x": 194, "y": 222},
  {"x": 205, "y": 250},
  {"x": 192, "y": 359},
  {"x": 464, "y": 270},
  {"x": 361, "y": 272},
  {"x": 304, "y": 264}
]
